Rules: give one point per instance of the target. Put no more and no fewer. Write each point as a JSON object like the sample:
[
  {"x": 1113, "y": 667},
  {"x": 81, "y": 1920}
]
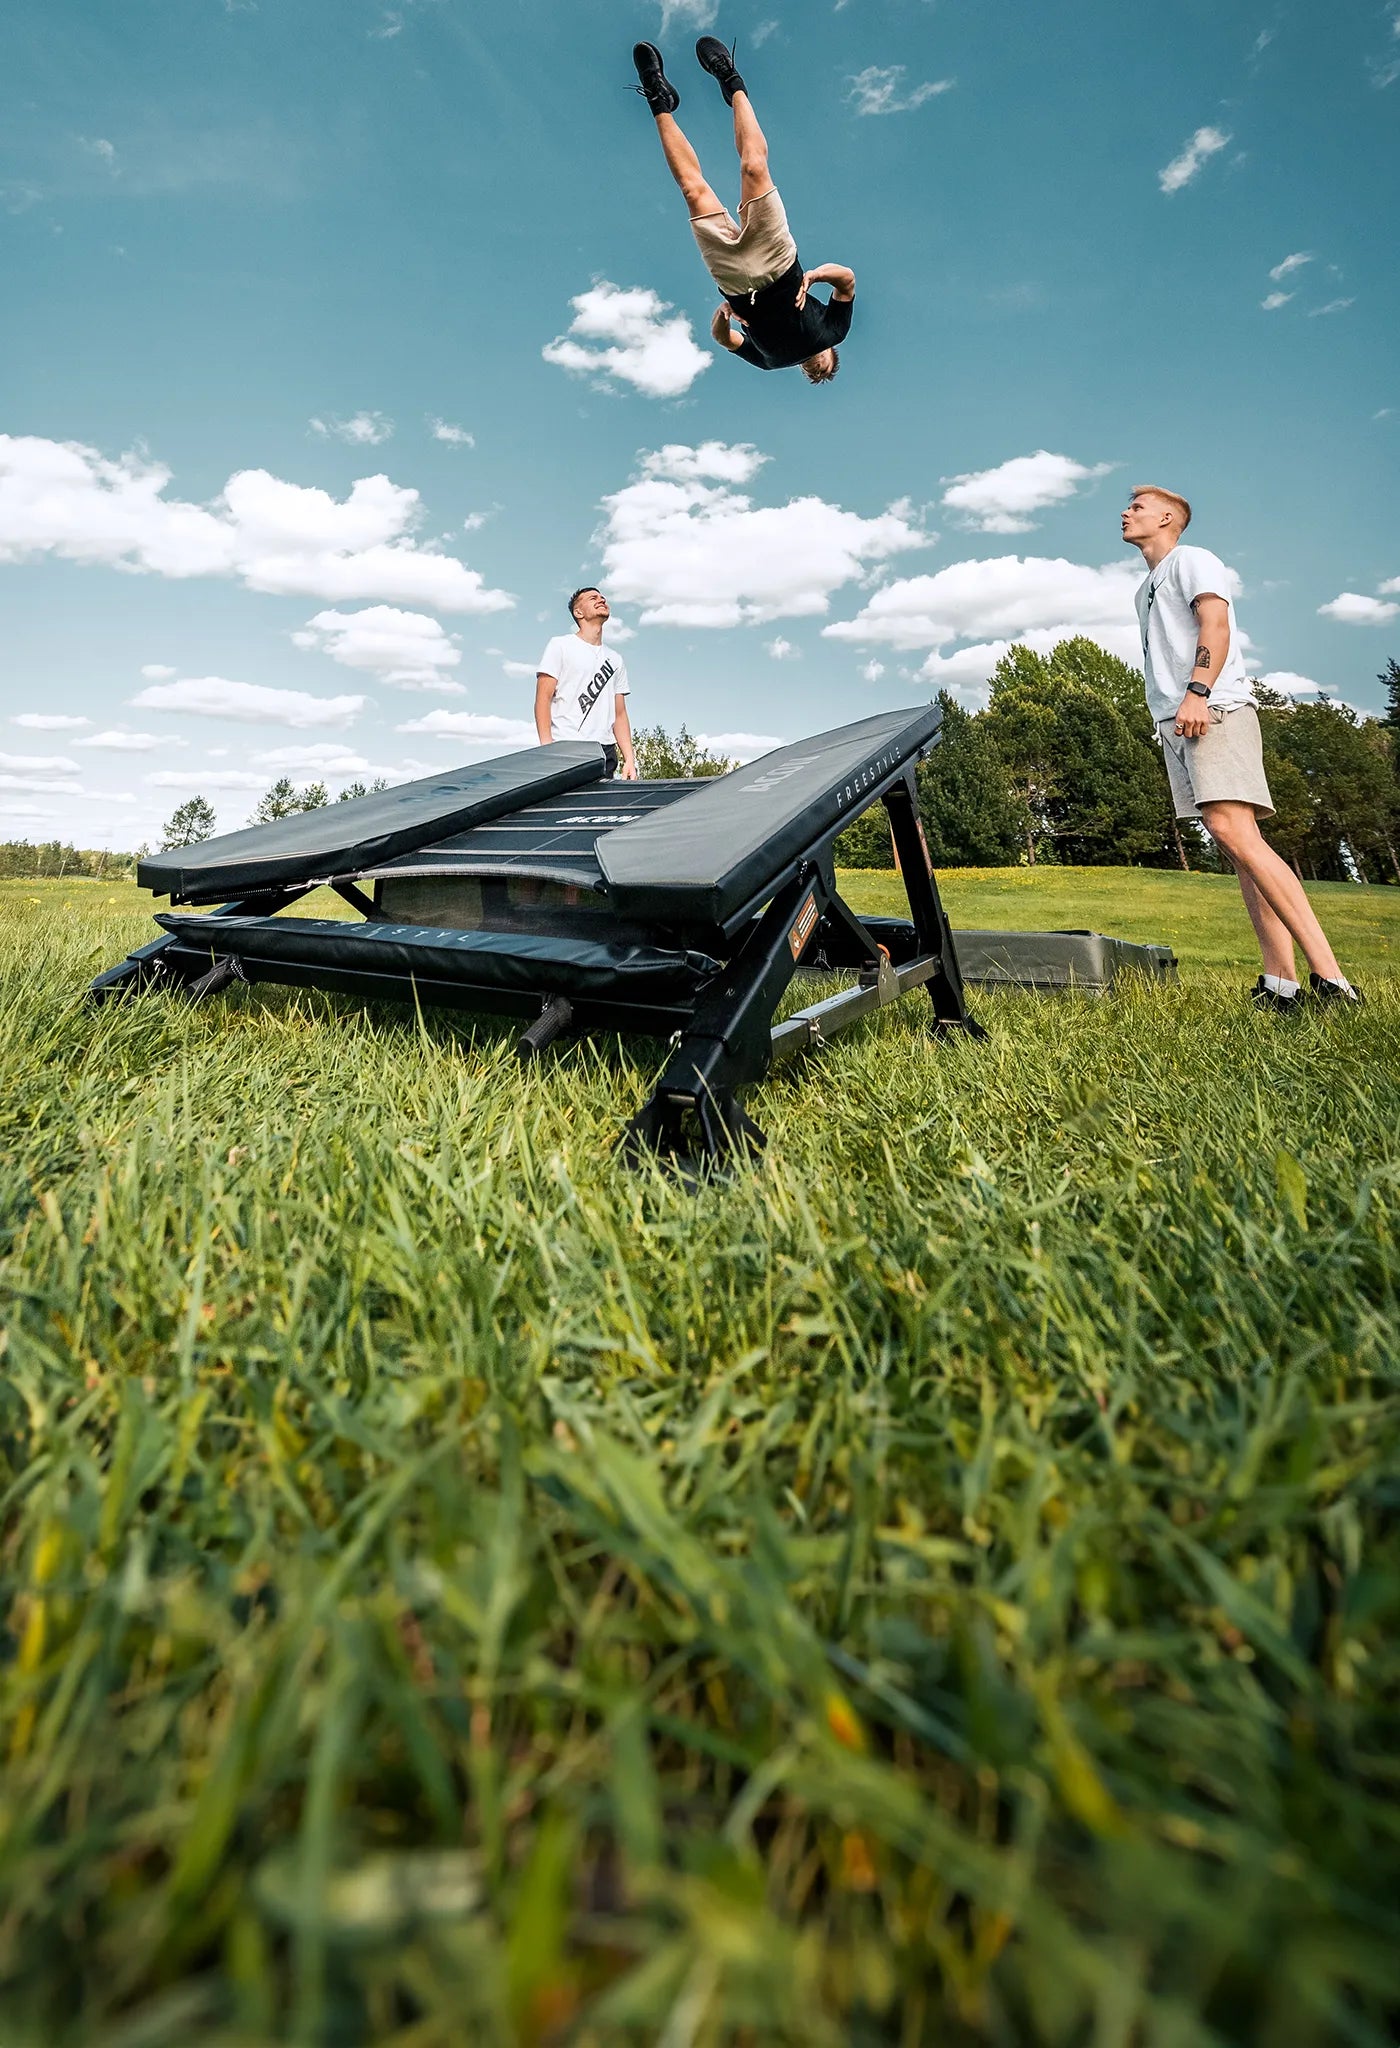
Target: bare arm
[
  {"x": 545, "y": 686},
  {"x": 622, "y": 733},
  {"x": 1212, "y": 647},
  {"x": 721, "y": 327},
  {"x": 841, "y": 280}
]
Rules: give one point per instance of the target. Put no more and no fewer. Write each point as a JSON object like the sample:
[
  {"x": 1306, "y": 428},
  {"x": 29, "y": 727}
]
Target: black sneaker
[
  {"x": 719, "y": 62},
  {"x": 1322, "y": 991},
  {"x": 1269, "y": 999},
  {"x": 656, "y": 88}
]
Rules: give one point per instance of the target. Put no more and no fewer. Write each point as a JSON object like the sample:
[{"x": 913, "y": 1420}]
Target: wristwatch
[{"x": 1198, "y": 689}]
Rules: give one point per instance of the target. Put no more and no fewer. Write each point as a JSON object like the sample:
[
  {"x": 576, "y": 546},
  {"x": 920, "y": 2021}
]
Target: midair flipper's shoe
[
  {"x": 719, "y": 62},
  {"x": 656, "y": 88}
]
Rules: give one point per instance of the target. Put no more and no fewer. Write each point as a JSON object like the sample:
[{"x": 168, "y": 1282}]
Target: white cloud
[
  {"x": 633, "y": 336},
  {"x": 880, "y": 89},
  {"x": 39, "y": 785},
  {"x": 1289, "y": 264},
  {"x": 65, "y": 499},
  {"x": 1273, "y": 300},
  {"x": 39, "y": 764},
  {"x": 129, "y": 742},
  {"x": 477, "y": 728},
  {"x": 724, "y": 462},
  {"x": 738, "y": 746},
  {"x": 455, "y": 437},
  {"x": 250, "y": 703},
  {"x": 198, "y": 779},
  {"x": 699, "y": 555},
  {"x": 1288, "y": 684},
  {"x": 157, "y": 672},
  {"x": 49, "y": 721},
  {"x": 1001, "y": 500},
  {"x": 699, "y": 13},
  {"x": 323, "y": 756},
  {"x": 361, "y": 430},
  {"x": 1204, "y": 144},
  {"x": 1034, "y": 599},
  {"x": 406, "y": 648},
  {"x": 1386, "y": 69},
  {"x": 783, "y": 650},
  {"x": 871, "y": 671},
  {"x": 761, "y": 31},
  {"x": 1332, "y": 306},
  {"x": 520, "y": 669},
  {"x": 101, "y": 148},
  {"x": 1391, "y": 587},
  {"x": 1352, "y": 609}
]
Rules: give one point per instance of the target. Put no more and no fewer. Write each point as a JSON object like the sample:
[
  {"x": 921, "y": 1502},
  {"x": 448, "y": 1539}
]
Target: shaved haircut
[{"x": 1172, "y": 498}]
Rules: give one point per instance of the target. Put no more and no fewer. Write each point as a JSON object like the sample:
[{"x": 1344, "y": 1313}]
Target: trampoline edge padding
[
  {"x": 517, "y": 961},
  {"x": 1057, "y": 960}
]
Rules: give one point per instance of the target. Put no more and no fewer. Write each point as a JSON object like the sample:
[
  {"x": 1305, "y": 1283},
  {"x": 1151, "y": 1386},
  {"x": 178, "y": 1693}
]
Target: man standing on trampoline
[{"x": 754, "y": 259}]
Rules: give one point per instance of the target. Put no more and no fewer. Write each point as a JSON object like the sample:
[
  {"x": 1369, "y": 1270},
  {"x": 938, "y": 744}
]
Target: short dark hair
[{"x": 580, "y": 592}]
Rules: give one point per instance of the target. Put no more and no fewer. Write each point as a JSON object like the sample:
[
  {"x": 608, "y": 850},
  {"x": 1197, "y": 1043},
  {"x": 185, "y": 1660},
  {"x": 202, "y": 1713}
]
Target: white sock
[
  {"x": 1337, "y": 981},
  {"x": 1278, "y": 986}
]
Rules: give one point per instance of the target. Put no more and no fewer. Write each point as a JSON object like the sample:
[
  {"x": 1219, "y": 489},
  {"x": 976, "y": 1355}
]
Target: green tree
[
  {"x": 1083, "y": 769},
  {"x": 662, "y": 759},
  {"x": 1389, "y": 678},
  {"x": 866, "y": 843},
  {"x": 314, "y": 797},
  {"x": 1346, "y": 764},
  {"x": 354, "y": 789},
  {"x": 188, "y": 824},
  {"x": 971, "y": 815}
]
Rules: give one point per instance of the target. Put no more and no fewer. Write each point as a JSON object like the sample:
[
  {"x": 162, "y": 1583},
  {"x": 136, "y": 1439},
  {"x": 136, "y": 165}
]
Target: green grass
[{"x": 941, "y": 1587}]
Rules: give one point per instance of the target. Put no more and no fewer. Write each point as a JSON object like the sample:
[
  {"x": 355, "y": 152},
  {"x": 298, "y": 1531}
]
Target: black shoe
[
  {"x": 1332, "y": 991},
  {"x": 1270, "y": 999},
  {"x": 656, "y": 88},
  {"x": 719, "y": 62}
]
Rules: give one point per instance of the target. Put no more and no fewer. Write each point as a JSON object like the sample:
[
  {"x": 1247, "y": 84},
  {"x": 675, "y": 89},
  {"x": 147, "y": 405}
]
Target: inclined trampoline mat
[{"x": 554, "y": 840}]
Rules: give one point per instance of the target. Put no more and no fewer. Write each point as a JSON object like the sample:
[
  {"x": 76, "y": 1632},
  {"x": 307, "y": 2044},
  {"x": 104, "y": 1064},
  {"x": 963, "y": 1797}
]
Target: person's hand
[
  {"x": 1192, "y": 716},
  {"x": 720, "y": 328},
  {"x": 628, "y": 771},
  {"x": 809, "y": 277}
]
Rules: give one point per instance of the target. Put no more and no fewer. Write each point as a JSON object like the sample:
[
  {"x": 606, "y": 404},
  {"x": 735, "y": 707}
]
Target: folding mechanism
[{"x": 679, "y": 910}]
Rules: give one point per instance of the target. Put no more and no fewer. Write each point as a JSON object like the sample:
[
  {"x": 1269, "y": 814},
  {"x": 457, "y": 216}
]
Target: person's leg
[
  {"x": 755, "y": 178},
  {"x": 1275, "y": 939},
  {"x": 684, "y": 166},
  {"x": 1234, "y": 827}
]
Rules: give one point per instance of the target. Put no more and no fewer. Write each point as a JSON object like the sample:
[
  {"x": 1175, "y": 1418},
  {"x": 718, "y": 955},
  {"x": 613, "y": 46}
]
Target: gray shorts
[
  {"x": 745, "y": 259},
  {"x": 1225, "y": 765}
]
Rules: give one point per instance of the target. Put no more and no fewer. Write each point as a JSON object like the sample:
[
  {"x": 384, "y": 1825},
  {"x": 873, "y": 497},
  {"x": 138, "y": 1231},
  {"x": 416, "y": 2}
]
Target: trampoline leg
[
  {"x": 140, "y": 970},
  {"x": 553, "y": 1021},
  {"x": 935, "y": 934}
]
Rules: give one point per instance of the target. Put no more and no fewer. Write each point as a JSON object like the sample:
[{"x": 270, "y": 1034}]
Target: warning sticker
[{"x": 804, "y": 926}]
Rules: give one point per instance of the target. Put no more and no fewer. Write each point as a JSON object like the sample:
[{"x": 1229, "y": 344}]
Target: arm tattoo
[{"x": 1202, "y": 655}]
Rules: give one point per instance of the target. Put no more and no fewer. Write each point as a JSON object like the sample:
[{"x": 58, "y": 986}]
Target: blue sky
[{"x": 340, "y": 340}]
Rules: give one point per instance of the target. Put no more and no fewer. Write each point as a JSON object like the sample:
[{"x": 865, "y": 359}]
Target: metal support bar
[
  {"x": 813, "y": 1027},
  {"x": 931, "y": 925},
  {"x": 356, "y": 898},
  {"x": 694, "y": 1114}
]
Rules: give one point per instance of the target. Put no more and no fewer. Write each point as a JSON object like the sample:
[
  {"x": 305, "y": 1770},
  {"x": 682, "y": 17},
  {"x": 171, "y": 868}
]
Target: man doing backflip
[
  {"x": 754, "y": 259},
  {"x": 1200, "y": 696}
]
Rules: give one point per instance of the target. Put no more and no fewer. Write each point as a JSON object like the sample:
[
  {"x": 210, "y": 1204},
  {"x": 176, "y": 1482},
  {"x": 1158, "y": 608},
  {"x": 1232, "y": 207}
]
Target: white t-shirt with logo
[
  {"x": 1171, "y": 631},
  {"x": 590, "y": 679}
]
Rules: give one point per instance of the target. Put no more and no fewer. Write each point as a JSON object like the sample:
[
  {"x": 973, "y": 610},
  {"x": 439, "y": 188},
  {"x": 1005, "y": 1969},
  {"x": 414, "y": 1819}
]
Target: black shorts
[{"x": 609, "y": 763}]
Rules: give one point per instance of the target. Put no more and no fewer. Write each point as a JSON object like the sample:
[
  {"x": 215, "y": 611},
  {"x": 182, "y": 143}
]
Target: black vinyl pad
[
  {"x": 345, "y": 839},
  {"x": 515, "y": 960},
  {"x": 720, "y": 850}
]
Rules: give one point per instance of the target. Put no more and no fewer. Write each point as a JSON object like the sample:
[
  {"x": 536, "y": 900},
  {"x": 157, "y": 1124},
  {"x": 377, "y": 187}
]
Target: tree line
[{"x": 1063, "y": 766}]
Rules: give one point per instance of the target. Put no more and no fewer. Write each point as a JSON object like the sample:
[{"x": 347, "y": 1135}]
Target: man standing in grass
[
  {"x": 754, "y": 259},
  {"x": 581, "y": 687},
  {"x": 1203, "y": 703}
]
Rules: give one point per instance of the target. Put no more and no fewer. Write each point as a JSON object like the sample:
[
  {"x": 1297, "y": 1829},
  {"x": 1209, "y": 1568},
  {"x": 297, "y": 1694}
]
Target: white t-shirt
[
  {"x": 1171, "y": 630},
  {"x": 591, "y": 679}
]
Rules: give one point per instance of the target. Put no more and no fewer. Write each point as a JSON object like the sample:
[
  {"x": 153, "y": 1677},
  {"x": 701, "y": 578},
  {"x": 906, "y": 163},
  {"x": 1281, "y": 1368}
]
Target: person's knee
[
  {"x": 697, "y": 195},
  {"x": 1234, "y": 831},
  {"x": 753, "y": 163}
]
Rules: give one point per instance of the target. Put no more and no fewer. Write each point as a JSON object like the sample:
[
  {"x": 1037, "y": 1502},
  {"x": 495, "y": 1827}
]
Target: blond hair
[{"x": 1173, "y": 498}]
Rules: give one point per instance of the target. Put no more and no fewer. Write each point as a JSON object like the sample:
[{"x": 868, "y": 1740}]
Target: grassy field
[{"x": 941, "y": 1587}]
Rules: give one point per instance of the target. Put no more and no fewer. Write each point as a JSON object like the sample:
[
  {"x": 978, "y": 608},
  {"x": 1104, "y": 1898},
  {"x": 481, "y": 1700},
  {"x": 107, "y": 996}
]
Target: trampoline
[{"x": 527, "y": 885}]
